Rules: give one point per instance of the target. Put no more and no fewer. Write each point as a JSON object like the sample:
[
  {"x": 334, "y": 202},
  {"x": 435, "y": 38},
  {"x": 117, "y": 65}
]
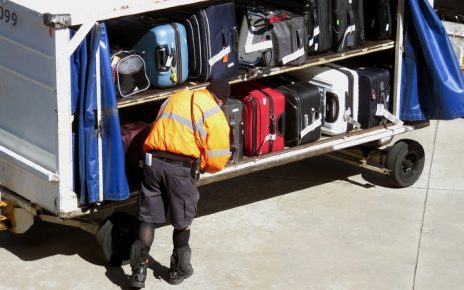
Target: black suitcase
[
  {"x": 348, "y": 24},
  {"x": 324, "y": 37},
  {"x": 377, "y": 19},
  {"x": 303, "y": 111},
  {"x": 374, "y": 89},
  {"x": 212, "y": 40},
  {"x": 233, "y": 110}
]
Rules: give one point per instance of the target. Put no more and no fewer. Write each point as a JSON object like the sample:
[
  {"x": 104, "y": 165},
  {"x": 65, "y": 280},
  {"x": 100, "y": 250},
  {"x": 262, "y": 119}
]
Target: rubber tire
[
  {"x": 405, "y": 160},
  {"x": 115, "y": 237}
]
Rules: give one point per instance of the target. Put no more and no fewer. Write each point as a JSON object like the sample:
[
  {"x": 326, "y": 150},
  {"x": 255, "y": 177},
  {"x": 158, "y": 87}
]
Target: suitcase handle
[
  {"x": 235, "y": 38},
  {"x": 161, "y": 57},
  {"x": 331, "y": 107},
  {"x": 260, "y": 25},
  {"x": 225, "y": 43}
]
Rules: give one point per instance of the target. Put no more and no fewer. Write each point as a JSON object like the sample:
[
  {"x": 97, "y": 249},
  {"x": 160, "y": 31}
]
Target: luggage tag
[
  {"x": 291, "y": 57},
  {"x": 253, "y": 47},
  {"x": 382, "y": 112},
  {"x": 225, "y": 59},
  {"x": 350, "y": 29},
  {"x": 350, "y": 120},
  {"x": 316, "y": 32},
  {"x": 224, "y": 52},
  {"x": 317, "y": 123},
  {"x": 270, "y": 137},
  {"x": 173, "y": 74},
  {"x": 169, "y": 61}
]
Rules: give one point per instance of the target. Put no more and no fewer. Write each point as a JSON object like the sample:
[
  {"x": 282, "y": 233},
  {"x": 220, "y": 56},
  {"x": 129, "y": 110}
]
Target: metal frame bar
[
  {"x": 399, "y": 49},
  {"x": 356, "y": 160},
  {"x": 89, "y": 227},
  {"x": 18, "y": 200},
  {"x": 67, "y": 200}
]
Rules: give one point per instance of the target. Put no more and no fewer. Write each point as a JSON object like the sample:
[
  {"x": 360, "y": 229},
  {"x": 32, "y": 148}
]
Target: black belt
[{"x": 172, "y": 158}]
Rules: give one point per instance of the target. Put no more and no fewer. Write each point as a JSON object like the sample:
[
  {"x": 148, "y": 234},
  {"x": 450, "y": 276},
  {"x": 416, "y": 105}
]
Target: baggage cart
[{"x": 38, "y": 40}]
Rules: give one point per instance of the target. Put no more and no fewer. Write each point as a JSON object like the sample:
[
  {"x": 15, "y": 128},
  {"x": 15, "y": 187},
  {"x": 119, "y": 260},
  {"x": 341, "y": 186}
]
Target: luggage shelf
[
  {"x": 160, "y": 94},
  {"x": 252, "y": 164},
  {"x": 323, "y": 146}
]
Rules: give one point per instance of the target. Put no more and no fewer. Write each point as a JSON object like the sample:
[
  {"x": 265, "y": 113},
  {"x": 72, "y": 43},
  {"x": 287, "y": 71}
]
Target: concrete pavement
[{"x": 314, "y": 224}]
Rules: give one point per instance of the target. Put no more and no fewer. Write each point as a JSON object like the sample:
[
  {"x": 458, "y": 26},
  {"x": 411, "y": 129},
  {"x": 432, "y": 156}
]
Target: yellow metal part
[
  {"x": 6, "y": 209},
  {"x": 3, "y": 218}
]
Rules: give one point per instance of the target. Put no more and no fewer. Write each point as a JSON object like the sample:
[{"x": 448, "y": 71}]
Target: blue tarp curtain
[
  {"x": 432, "y": 85},
  {"x": 85, "y": 129}
]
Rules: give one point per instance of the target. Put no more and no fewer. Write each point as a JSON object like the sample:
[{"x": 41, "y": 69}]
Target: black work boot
[
  {"x": 139, "y": 264},
  {"x": 180, "y": 265},
  {"x": 139, "y": 274}
]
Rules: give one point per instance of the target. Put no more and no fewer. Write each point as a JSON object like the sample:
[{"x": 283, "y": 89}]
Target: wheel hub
[{"x": 409, "y": 164}]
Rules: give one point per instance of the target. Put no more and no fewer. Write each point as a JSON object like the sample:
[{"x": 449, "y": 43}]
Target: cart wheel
[
  {"x": 115, "y": 237},
  {"x": 405, "y": 160}
]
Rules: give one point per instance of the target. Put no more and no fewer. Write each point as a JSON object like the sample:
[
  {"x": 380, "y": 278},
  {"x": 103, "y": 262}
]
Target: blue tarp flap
[
  {"x": 114, "y": 176},
  {"x": 88, "y": 126},
  {"x": 115, "y": 185},
  {"x": 78, "y": 73},
  {"x": 432, "y": 85}
]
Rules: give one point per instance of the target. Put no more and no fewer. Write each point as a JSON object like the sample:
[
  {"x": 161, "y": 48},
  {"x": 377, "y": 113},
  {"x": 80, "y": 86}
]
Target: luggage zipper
[
  {"x": 197, "y": 54},
  {"x": 208, "y": 43},
  {"x": 253, "y": 124},
  {"x": 299, "y": 114},
  {"x": 272, "y": 119},
  {"x": 178, "y": 56},
  {"x": 374, "y": 99}
]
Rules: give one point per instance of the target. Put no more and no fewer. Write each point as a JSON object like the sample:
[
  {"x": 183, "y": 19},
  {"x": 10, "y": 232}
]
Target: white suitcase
[
  {"x": 353, "y": 92},
  {"x": 340, "y": 106}
]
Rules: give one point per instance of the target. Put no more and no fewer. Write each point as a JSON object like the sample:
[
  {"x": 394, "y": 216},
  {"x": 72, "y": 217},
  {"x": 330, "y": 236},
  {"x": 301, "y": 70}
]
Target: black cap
[{"x": 220, "y": 88}]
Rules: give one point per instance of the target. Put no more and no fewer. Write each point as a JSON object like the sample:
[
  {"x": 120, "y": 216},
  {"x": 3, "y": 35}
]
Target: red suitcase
[{"x": 264, "y": 118}]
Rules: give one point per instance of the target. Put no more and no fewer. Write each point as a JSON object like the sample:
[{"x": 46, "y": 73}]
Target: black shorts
[{"x": 165, "y": 186}]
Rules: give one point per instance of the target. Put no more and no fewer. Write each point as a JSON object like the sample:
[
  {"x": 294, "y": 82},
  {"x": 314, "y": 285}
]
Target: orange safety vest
[{"x": 173, "y": 129}]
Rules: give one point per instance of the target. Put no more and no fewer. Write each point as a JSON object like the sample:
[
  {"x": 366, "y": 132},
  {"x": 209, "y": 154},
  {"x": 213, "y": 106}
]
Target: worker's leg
[
  {"x": 184, "y": 197},
  {"x": 139, "y": 254},
  {"x": 151, "y": 212},
  {"x": 180, "y": 266}
]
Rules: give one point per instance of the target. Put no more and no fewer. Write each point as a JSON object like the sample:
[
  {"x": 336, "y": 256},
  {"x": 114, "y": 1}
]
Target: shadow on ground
[{"x": 46, "y": 239}]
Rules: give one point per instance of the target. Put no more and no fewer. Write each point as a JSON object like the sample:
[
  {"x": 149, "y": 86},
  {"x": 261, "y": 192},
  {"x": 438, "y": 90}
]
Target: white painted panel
[
  {"x": 28, "y": 107},
  {"x": 84, "y": 10}
]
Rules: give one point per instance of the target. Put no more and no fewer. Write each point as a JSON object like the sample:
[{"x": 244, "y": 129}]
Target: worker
[{"x": 189, "y": 136}]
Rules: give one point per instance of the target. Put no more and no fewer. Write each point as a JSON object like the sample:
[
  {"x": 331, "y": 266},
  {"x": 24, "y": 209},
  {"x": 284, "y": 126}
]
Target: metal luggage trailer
[{"x": 36, "y": 176}]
